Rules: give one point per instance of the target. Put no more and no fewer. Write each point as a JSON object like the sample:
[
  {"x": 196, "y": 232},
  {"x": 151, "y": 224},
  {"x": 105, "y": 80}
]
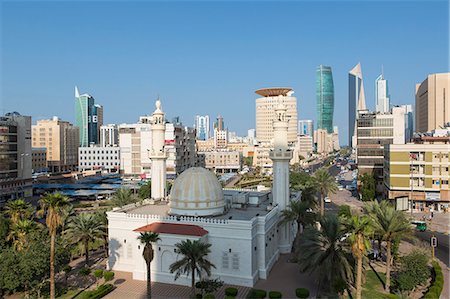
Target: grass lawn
[{"x": 373, "y": 288}]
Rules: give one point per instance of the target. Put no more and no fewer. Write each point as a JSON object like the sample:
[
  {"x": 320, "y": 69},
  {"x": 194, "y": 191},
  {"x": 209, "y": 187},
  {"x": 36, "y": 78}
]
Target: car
[
  {"x": 327, "y": 199},
  {"x": 340, "y": 187},
  {"x": 419, "y": 225}
]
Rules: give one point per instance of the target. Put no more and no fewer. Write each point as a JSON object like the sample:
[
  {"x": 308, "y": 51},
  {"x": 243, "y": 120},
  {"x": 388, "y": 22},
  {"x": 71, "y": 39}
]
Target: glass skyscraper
[
  {"x": 325, "y": 98},
  {"x": 88, "y": 117}
]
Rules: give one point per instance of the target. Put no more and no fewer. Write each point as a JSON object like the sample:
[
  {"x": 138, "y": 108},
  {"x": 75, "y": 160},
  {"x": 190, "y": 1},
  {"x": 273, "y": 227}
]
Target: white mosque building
[{"x": 244, "y": 227}]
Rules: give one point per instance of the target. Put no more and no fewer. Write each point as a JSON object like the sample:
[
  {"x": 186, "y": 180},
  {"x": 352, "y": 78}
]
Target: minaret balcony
[{"x": 280, "y": 154}]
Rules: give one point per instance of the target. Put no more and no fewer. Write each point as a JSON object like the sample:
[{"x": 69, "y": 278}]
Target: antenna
[{"x": 382, "y": 71}]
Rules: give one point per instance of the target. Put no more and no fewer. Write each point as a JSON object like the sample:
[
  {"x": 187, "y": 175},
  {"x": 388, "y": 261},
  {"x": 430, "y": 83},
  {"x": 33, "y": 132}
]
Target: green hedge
[
  {"x": 100, "y": 292},
  {"x": 108, "y": 275},
  {"x": 275, "y": 295},
  {"x": 302, "y": 293},
  {"x": 256, "y": 294},
  {"x": 209, "y": 296},
  {"x": 436, "y": 288},
  {"x": 231, "y": 292}
]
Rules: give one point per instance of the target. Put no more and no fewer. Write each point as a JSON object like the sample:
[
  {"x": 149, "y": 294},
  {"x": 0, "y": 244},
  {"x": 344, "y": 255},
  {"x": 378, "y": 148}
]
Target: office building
[
  {"x": 251, "y": 136},
  {"x": 219, "y": 124},
  {"x": 303, "y": 148},
  {"x": 356, "y": 101},
  {"x": 265, "y": 113},
  {"x": 306, "y": 127},
  {"x": 39, "y": 159},
  {"x": 202, "y": 127},
  {"x": 433, "y": 102},
  {"x": 382, "y": 101},
  {"x": 374, "y": 131},
  {"x": 326, "y": 142},
  {"x": 15, "y": 157},
  {"x": 95, "y": 157},
  {"x": 61, "y": 140},
  {"x": 109, "y": 135},
  {"x": 325, "y": 98},
  {"x": 419, "y": 171},
  {"x": 89, "y": 118},
  {"x": 223, "y": 161}
]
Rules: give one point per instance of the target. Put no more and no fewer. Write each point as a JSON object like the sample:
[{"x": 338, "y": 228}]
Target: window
[
  {"x": 225, "y": 260},
  {"x": 235, "y": 261}
]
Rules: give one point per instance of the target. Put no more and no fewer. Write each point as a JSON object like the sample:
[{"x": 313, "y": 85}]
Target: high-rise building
[
  {"x": 265, "y": 113},
  {"x": 109, "y": 135},
  {"x": 409, "y": 121},
  {"x": 219, "y": 124},
  {"x": 306, "y": 127},
  {"x": 15, "y": 157},
  {"x": 325, "y": 98},
  {"x": 202, "y": 127},
  {"x": 356, "y": 101},
  {"x": 89, "y": 118},
  {"x": 433, "y": 102},
  {"x": 61, "y": 139},
  {"x": 382, "y": 101}
]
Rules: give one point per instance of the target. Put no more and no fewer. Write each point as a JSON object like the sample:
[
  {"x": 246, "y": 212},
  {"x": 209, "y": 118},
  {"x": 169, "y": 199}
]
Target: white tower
[
  {"x": 281, "y": 155},
  {"x": 158, "y": 154}
]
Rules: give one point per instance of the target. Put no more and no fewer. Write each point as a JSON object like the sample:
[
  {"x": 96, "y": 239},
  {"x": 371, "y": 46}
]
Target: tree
[
  {"x": 322, "y": 251},
  {"x": 325, "y": 184},
  {"x": 84, "y": 228},
  {"x": 52, "y": 205},
  {"x": 301, "y": 181},
  {"x": 389, "y": 224},
  {"x": 368, "y": 187},
  {"x": 147, "y": 239},
  {"x": 248, "y": 161},
  {"x": 414, "y": 271},
  {"x": 358, "y": 229},
  {"x": 4, "y": 231},
  {"x": 19, "y": 233},
  {"x": 18, "y": 209},
  {"x": 102, "y": 218},
  {"x": 122, "y": 197},
  {"x": 193, "y": 260},
  {"x": 301, "y": 213},
  {"x": 145, "y": 190}
]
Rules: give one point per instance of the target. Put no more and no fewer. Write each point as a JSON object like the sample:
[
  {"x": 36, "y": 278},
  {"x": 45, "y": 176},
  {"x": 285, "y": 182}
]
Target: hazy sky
[{"x": 208, "y": 57}]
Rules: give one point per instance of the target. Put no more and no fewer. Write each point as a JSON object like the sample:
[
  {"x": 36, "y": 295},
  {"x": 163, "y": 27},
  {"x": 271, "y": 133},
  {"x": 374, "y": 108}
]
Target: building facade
[
  {"x": 325, "y": 98},
  {"x": 356, "y": 101},
  {"x": 306, "y": 127},
  {"x": 61, "y": 140},
  {"x": 15, "y": 157},
  {"x": 89, "y": 118},
  {"x": 382, "y": 100},
  {"x": 419, "y": 172},
  {"x": 202, "y": 127},
  {"x": 223, "y": 161},
  {"x": 265, "y": 113},
  {"x": 95, "y": 157},
  {"x": 109, "y": 135},
  {"x": 433, "y": 102},
  {"x": 39, "y": 159}
]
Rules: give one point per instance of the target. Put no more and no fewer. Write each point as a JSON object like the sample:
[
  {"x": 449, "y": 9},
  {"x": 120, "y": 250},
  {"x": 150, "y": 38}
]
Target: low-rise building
[
  {"x": 39, "y": 159},
  {"x": 223, "y": 161},
  {"x": 419, "y": 171},
  {"x": 94, "y": 157}
]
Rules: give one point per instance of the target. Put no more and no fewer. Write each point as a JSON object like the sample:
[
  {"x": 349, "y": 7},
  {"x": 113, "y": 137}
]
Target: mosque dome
[{"x": 196, "y": 192}]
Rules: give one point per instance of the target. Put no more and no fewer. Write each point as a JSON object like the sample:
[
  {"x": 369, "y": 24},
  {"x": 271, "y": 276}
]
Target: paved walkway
[{"x": 284, "y": 277}]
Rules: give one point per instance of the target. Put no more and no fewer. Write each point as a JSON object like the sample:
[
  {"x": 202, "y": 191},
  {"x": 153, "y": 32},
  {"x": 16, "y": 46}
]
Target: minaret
[
  {"x": 281, "y": 155},
  {"x": 158, "y": 154}
]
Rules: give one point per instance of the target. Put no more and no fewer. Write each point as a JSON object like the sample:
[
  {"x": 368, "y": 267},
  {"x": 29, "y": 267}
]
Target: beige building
[
  {"x": 433, "y": 102},
  {"x": 326, "y": 143},
  {"x": 303, "y": 148},
  {"x": 61, "y": 139},
  {"x": 419, "y": 172},
  {"x": 39, "y": 159},
  {"x": 265, "y": 113},
  {"x": 223, "y": 161}
]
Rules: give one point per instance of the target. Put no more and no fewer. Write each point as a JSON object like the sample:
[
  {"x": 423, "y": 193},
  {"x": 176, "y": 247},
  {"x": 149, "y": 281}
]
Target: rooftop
[
  {"x": 274, "y": 91},
  {"x": 173, "y": 228}
]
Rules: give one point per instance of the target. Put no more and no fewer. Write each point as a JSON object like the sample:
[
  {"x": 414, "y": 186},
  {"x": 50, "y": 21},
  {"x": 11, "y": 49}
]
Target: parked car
[
  {"x": 327, "y": 199},
  {"x": 419, "y": 225}
]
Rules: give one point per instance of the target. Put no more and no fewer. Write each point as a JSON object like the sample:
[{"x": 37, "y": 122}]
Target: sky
[{"x": 209, "y": 57}]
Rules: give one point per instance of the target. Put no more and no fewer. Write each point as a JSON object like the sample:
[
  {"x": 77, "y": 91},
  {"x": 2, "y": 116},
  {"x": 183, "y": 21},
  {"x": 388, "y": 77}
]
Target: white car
[
  {"x": 340, "y": 187},
  {"x": 327, "y": 199}
]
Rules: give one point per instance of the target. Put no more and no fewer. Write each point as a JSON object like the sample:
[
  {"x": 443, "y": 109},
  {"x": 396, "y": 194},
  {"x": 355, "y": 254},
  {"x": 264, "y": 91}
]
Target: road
[{"x": 442, "y": 250}]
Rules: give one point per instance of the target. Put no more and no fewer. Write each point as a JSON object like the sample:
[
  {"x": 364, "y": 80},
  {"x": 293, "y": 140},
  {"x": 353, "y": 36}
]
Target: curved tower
[
  {"x": 325, "y": 98},
  {"x": 158, "y": 154},
  {"x": 281, "y": 155}
]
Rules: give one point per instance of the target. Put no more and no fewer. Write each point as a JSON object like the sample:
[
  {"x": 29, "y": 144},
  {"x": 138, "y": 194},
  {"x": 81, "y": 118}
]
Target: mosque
[{"x": 244, "y": 227}]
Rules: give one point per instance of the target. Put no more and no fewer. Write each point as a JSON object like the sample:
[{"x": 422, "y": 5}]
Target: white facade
[
  {"x": 109, "y": 135},
  {"x": 202, "y": 127},
  {"x": 99, "y": 157},
  {"x": 382, "y": 101},
  {"x": 306, "y": 127},
  {"x": 220, "y": 138},
  {"x": 158, "y": 154},
  {"x": 223, "y": 161}
]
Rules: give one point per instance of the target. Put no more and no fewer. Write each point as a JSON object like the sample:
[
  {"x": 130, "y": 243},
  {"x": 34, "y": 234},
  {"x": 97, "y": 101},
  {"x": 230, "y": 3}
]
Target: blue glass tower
[{"x": 325, "y": 98}]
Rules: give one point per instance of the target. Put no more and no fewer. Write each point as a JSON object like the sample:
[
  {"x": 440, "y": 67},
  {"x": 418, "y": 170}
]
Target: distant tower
[
  {"x": 325, "y": 98},
  {"x": 158, "y": 154},
  {"x": 281, "y": 155},
  {"x": 382, "y": 100},
  {"x": 356, "y": 101}
]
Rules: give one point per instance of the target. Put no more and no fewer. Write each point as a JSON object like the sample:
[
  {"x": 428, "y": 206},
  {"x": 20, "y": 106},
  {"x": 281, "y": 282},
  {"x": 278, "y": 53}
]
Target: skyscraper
[
  {"x": 306, "y": 127},
  {"x": 325, "y": 98},
  {"x": 382, "y": 101},
  {"x": 356, "y": 101},
  {"x": 89, "y": 118},
  {"x": 202, "y": 127}
]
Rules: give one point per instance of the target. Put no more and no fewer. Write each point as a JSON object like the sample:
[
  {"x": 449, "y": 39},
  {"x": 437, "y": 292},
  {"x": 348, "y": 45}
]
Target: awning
[{"x": 173, "y": 228}]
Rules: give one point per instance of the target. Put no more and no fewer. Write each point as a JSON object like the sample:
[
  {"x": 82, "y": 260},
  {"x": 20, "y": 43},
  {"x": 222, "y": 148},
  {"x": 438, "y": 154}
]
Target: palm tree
[
  {"x": 52, "y": 205},
  {"x": 102, "y": 218},
  {"x": 193, "y": 260},
  {"x": 84, "y": 228},
  {"x": 19, "y": 233},
  {"x": 325, "y": 251},
  {"x": 18, "y": 209},
  {"x": 147, "y": 239},
  {"x": 301, "y": 213},
  {"x": 358, "y": 229},
  {"x": 123, "y": 196},
  {"x": 325, "y": 184},
  {"x": 389, "y": 224}
]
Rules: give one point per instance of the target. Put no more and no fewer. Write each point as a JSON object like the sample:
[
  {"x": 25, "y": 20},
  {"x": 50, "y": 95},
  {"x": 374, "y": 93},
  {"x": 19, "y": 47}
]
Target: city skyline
[{"x": 190, "y": 53}]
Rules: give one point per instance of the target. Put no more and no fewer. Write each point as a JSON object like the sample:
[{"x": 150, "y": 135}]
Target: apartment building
[
  {"x": 95, "y": 157},
  {"x": 223, "y": 161},
  {"x": 39, "y": 159}
]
